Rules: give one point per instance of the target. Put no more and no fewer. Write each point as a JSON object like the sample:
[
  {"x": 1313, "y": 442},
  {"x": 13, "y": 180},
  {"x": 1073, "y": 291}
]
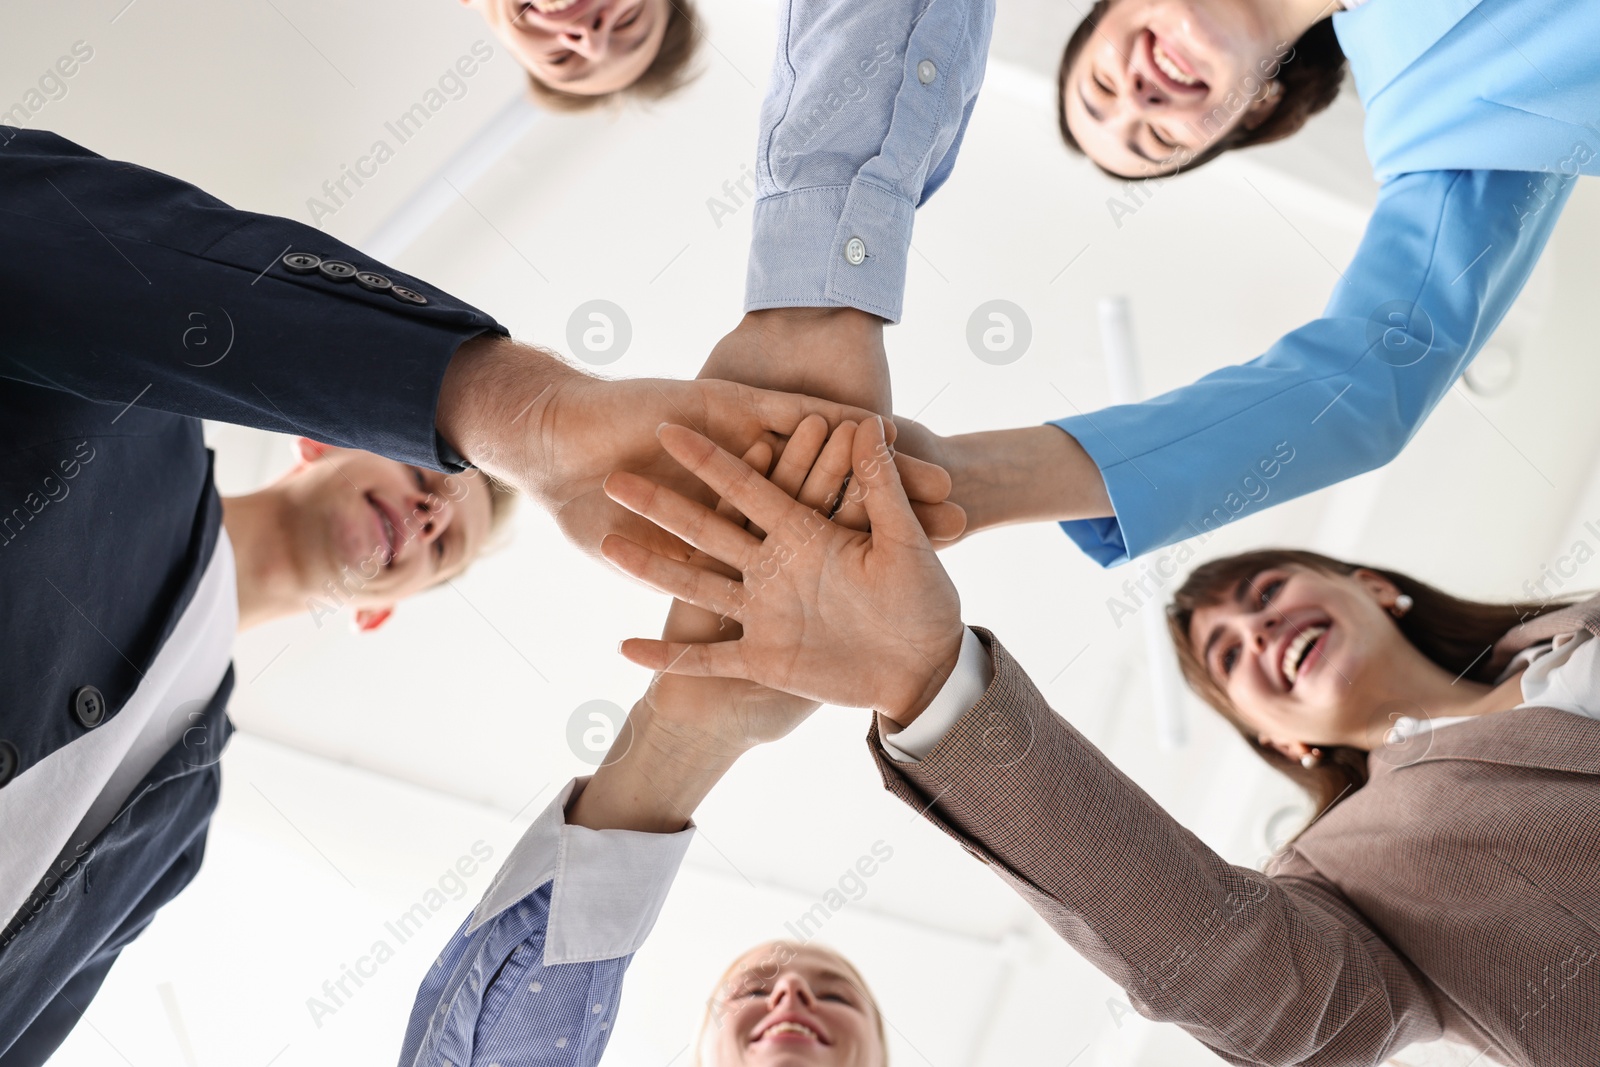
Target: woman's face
[
  {"x": 1308, "y": 658},
  {"x": 585, "y": 47},
  {"x": 788, "y": 1005},
  {"x": 1159, "y": 81}
]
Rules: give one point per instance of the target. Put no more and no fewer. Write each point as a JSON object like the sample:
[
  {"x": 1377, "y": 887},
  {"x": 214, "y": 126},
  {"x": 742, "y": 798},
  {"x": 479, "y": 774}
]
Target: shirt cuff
[
  {"x": 609, "y": 884},
  {"x": 836, "y": 246},
  {"x": 961, "y": 691}
]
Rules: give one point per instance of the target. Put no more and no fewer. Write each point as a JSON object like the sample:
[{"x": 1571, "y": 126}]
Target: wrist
[
  {"x": 495, "y": 391},
  {"x": 1028, "y": 474},
  {"x": 652, "y": 780},
  {"x": 924, "y": 683}
]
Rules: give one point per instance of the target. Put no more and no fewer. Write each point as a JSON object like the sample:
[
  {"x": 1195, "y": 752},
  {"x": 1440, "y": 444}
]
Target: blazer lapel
[
  {"x": 1584, "y": 615},
  {"x": 1545, "y": 739}
]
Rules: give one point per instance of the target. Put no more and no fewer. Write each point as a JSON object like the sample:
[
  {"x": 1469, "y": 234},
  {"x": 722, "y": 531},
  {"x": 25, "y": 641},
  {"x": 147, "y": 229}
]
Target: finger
[
  {"x": 720, "y": 660},
  {"x": 783, "y": 412},
  {"x": 755, "y": 497},
  {"x": 924, "y": 481},
  {"x": 944, "y": 523},
  {"x": 691, "y": 584},
  {"x": 888, "y": 510},
  {"x": 758, "y": 457},
  {"x": 697, "y": 524},
  {"x": 827, "y": 475},
  {"x": 800, "y": 454}
]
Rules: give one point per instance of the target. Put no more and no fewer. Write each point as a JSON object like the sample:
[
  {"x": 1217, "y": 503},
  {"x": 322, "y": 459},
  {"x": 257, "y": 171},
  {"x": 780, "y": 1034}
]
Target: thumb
[{"x": 888, "y": 510}]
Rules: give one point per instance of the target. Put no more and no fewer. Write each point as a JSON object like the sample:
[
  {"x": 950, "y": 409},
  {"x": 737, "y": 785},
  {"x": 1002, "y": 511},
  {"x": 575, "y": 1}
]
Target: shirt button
[
  {"x": 926, "y": 71},
  {"x": 855, "y": 251},
  {"x": 88, "y": 707},
  {"x": 301, "y": 262},
  {"x": 10, "y": 758},
  {"x": 336, "y": 270}
]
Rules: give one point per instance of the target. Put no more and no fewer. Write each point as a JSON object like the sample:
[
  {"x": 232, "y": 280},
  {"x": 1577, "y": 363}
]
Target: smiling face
[
  {"x": 1308, "y": 658},
  {"x": 1159, "y": 82},
  {"x": 582, "y": 47},
  {"x": 381, "y": 529},
  {"x": 788, "y": 1005}
]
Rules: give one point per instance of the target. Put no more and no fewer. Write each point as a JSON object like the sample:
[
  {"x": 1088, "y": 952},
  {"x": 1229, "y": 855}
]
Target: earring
[
  {"x": 1402, "y": 604},
  {"x": 1311, "y": 759}
]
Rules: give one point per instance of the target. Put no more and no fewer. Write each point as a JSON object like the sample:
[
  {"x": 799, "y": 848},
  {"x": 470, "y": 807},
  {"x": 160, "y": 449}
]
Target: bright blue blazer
[{"x": 1480, "y": 116}]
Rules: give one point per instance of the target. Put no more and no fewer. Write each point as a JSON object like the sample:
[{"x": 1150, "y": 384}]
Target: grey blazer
[{"x": 1456, "y": 895}]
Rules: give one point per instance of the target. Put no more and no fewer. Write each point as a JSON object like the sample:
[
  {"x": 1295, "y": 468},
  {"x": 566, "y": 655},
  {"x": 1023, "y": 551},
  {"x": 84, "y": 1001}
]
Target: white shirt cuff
[
  {"x": 609, "y": 884},
  {"x": 960, "y": 692}
]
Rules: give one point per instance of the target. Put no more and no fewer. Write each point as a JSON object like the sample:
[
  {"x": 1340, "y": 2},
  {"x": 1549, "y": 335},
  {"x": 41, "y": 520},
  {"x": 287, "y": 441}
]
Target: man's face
[
  {"x": 585, "y": 47},
  {"x": 379, "y": 529},
  {"x": 1161, "y": 81}
]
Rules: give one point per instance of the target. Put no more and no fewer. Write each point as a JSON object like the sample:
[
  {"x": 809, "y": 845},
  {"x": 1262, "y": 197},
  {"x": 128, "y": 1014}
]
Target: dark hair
[
  {"x": 670, "y": 71},
  {"x": 1308, "y": 80},
  {"x": 1454, "y": 633}
]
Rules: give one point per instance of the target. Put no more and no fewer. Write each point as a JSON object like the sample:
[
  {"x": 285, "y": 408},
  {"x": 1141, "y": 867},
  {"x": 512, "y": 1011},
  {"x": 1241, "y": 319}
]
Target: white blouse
[{"x": 1563, "y": 674}]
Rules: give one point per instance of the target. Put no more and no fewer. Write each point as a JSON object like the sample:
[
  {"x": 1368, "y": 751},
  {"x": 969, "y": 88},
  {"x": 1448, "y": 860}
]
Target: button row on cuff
[{"x": 337, "y": 270}]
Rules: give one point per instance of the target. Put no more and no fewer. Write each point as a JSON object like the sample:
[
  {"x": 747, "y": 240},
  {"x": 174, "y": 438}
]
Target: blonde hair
[{"x": 791, "y": 947}]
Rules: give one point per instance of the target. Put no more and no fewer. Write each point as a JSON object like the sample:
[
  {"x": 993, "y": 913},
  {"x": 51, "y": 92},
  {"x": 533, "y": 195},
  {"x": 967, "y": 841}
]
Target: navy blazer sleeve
[{"x": 123, "y": 285}]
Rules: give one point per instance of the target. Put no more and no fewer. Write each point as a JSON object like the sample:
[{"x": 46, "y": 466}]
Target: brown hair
[
  {"x": 670, "y": 71},
  {"x": 789, "y": 947},
  {"x": 1454, "y": 633},
  {"x": 1308, "y": 80}
]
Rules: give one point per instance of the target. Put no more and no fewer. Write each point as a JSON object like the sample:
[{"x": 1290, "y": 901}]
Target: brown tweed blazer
[{"x": 1456, "y": 895}]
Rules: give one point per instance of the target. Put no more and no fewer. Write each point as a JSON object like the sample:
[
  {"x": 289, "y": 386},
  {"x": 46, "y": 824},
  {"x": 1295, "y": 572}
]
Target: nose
[
  {"x": 590, "y": 37},
  {"x": 433, "y": 514},
  {"x": 1262, "y": 624},
  {"x": 790, "y": 987},
  {"x": 1144, "y": 94}
]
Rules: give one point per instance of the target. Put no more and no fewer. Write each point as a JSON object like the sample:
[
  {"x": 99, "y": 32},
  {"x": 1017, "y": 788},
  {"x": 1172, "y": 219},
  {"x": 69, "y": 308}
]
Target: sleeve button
[
  {"x": 409, "y": 296},
  {"x": 336, "y": 270},
  {"x": 926, "y": 71},
  {"x": 301, "y": 262},
  {"x": 377, "y": 283},
  {"x": 855, "y": 251}
]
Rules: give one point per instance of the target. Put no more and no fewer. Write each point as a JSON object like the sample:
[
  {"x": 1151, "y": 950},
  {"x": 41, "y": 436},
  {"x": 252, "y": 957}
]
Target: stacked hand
[
  {"x": 555, "y": 433},
  {"x": 834, "y": 614}
]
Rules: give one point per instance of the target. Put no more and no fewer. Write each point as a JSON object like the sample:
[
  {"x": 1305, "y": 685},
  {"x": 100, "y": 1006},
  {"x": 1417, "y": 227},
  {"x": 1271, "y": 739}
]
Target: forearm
[
  {"x": 1029, "y": 474},
  {"x": 1263, "y": 970},
  {"x": 831, "y": 353},
  {"x": 197, "y": 312},
  {"x": 493, "y": 392},
  {"x": 652, "y": 780}
]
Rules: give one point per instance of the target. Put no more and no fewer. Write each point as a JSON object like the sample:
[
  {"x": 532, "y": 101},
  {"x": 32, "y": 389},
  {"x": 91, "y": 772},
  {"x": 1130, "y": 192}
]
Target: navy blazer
[{"x": 133, "y": 306}]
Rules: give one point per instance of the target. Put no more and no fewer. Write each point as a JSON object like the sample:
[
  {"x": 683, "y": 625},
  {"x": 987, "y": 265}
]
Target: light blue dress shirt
[
  {"x": 861, "y": 123},
  {"x": 533, "y": 978},
  {"x": 490, "y": 999},
  {"x": 1480, "y": 115}
]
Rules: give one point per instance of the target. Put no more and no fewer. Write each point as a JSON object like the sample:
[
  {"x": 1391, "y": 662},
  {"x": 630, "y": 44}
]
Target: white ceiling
[{"x": 365, "y": 766}]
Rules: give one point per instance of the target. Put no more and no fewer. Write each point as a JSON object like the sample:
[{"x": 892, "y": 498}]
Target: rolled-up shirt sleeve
[
  {"x": 861, "y": 123},
  {"x": 533, "y": 977},
  {"x": 1443, "y": 257}
]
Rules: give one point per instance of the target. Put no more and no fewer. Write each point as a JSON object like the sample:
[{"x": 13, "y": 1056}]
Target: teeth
[
  {"x": 1296, "y": 650},
  {"x": 794, "y": 1028},
  {"x": 1171, "y": 69},
  {"x": 550, "y": 7}
]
